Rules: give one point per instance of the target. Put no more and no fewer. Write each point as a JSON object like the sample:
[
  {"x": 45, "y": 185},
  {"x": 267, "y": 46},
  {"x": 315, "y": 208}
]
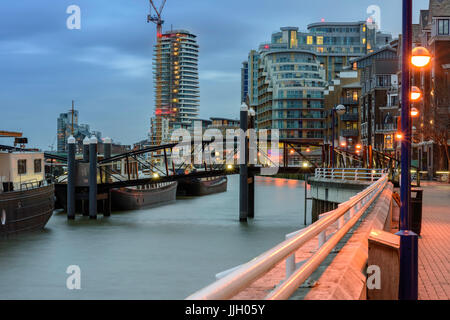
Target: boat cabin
[{"x": 21, "y": 170}]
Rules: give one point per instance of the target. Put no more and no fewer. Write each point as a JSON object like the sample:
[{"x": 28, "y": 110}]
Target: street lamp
[
  {"x": 414, "y": 112},
  {"x": 416, "y": 94},
  {"x": 420, "y": 57},
  {"x": 339, "y": 110}
]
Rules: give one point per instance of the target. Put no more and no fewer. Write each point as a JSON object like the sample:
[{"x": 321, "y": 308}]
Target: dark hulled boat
[
  {"x": 26, "y": 201},
  {"x": 132, "y": 198},
  {"x": 202, "y": 186}
]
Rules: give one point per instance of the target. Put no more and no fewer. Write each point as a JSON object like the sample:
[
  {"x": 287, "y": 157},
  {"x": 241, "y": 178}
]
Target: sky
[{"x": 106, "y": 66}]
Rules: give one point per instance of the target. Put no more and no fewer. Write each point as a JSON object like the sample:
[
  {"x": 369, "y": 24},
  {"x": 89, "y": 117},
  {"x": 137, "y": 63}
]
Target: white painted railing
[
  {"x": 235, "y": 280},
  {"x": 354, "y": 174}
]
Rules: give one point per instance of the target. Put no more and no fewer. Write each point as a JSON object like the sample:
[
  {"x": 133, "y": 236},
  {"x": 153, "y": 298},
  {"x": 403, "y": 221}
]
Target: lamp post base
[{"x": 408, "y": 286}]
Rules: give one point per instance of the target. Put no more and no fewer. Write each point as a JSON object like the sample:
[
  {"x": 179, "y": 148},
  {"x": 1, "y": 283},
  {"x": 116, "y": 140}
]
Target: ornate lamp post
[
  {"x": 339, "y": 110},
  {"x": 408, "y": 287}
]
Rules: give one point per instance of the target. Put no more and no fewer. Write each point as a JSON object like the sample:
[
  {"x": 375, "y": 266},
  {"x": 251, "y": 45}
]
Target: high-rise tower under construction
[{"x": 177, "y": 94}]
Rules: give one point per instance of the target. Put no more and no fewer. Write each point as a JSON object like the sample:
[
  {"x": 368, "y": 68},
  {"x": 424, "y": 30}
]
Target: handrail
[
  {"x": 236, "y": 281},
  {"x": 349, "y": 173}
]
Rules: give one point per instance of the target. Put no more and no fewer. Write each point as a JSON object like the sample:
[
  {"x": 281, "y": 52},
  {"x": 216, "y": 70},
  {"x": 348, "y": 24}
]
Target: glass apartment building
[
  {"x": 290, "y": 94},
  {"x": 335, "y": 43},
  {"x": 177, "y": 94}
]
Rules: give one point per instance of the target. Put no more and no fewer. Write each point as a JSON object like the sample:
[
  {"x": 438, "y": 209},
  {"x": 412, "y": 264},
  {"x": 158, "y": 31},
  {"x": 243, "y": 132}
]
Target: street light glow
[
  {"x": 414, "y": 112},
  {"x": 399, "y": 136},
  {"x": 358, "y": 146},
  {"x": 421, "y": 57},
  {"x": 416, "y": 94}
]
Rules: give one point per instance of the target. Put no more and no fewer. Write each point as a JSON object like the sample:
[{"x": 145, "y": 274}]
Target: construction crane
[{"x": 156, "y": 18}]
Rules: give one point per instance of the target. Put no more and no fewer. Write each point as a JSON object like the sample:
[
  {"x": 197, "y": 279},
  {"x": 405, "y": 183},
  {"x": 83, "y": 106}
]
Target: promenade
[{"x": 434, "y": 244}]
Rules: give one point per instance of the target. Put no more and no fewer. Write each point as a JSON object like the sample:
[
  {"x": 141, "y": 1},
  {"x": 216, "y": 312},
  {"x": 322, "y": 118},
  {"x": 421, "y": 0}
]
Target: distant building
[
  {"x": 64, "y": 130},
  {"x": 252, "y": 82},
  {"x": 379, "y": 80},
  {"x": 334, "y": 43},
  {"x": 287, "y": 76},
  {"x": 244, "y": 81},
  {"x": 344, "y": 90},
  {"x": 290, "y": 94},
  {"x": 177, "y": 95}
]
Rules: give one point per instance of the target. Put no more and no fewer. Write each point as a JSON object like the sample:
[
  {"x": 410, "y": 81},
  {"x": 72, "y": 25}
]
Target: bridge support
[
  {"x": 85, "y": 203},
  {"x": 93, "y": 178},
  {"x": 86, "y": 143},
  {"x": 243, "y": 167},
  {"x": 71, "y": 143},
  {"x": 107, "y": 154}
]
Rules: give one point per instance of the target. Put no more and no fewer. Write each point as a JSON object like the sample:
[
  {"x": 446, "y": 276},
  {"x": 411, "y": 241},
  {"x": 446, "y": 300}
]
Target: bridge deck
[{"x": 434, "y": 246}]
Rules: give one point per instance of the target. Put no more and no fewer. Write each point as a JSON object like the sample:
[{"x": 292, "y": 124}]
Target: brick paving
[{"x": 434, "y": 244}]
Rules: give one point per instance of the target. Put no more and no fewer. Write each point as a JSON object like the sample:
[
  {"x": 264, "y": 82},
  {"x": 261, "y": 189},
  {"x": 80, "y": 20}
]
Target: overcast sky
[{"x": 106, "y": 67}]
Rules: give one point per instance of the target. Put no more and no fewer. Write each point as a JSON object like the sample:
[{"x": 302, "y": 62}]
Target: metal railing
[
  {"x": 355, "y": 174},
  {"x": 238, "y": 279}
]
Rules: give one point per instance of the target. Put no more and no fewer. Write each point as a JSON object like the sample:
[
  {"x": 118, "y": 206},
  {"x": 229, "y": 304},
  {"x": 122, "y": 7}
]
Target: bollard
[
  {"x": 71, "y": 143},
  {"x": 86, "y": 142},
  {"x": 93, "y": 178},
  {"x": 243, "y": 168},
  {"x": 107, "y": 154}
]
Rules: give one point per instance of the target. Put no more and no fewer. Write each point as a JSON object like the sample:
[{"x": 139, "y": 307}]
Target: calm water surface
[{"x": 167, "y": 252}]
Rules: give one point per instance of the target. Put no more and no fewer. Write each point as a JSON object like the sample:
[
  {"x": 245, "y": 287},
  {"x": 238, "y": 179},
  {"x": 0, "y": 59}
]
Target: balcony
[
  {"x": 349, "y": 101},
  {"x": 350, "y": 117},
  {"x": 349, "y": 133},
  {"x": 386, "y": 128}
]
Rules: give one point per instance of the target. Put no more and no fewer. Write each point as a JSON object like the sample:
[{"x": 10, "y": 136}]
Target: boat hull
[
  {"x": 134, "y": 199},
  {"x": 25, "y": 210},
  {"x": 198, "y": 187}
]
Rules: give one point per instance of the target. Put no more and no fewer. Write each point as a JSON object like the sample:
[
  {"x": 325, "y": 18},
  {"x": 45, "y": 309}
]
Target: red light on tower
[
  {"x": 267, "y": 47},
  {"x": 322, "y": 20}
]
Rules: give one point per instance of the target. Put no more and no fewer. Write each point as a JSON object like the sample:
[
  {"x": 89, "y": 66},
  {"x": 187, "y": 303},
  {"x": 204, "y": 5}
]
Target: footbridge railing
[
  {"x": 349, "y": 174},
  {"x": 345, "y": 217}
]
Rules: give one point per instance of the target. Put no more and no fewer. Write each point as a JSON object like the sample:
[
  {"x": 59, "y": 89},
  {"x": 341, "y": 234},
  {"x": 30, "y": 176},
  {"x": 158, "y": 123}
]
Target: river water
[{"x": 166, "y": 252}]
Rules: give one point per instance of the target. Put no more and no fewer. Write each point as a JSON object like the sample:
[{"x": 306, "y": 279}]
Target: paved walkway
[{"x": 434, "y": 244}]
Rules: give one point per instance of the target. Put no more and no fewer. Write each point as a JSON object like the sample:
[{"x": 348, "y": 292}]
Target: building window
[
  {"x": 309, "y": 40},
  {"x": 37, "y": 165},
  {"x": 320, "y": 40},
  {"x": 21, "y": 166},
  {"x": 443, "y": 28},
  {"x": 355, "y": 95}
]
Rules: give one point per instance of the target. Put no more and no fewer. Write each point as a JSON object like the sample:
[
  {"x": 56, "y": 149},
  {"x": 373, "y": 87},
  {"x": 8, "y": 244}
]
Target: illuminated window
[
  {"x": 319, "y": 49},
  {"x": 293, "y": 42},
  {"x": 309, "y": 40},
  {"x": 320, "y": 40},
  {"x": 364, "y": 28},
  {"x": 355, "y": 95},
  {"x": 364, "y": 40}
]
